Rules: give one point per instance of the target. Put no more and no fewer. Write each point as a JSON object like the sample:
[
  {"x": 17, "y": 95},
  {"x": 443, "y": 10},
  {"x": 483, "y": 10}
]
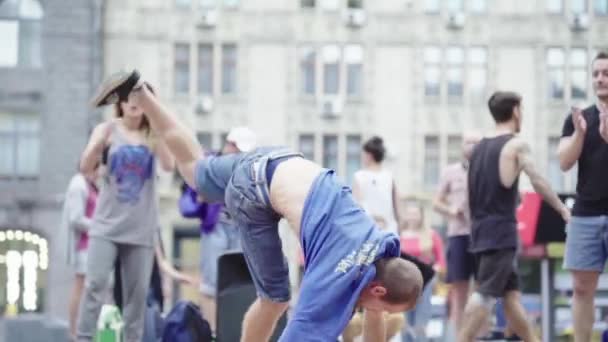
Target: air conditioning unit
[
  {"x": 355, "y": 17},
  {"x": 208, "y": 19},
  {"x": 331, "y": 107},
  {"x": 579, "y": 22},
  {"x": 455, "y": 20},
  {"x": 204, "y": 105}
]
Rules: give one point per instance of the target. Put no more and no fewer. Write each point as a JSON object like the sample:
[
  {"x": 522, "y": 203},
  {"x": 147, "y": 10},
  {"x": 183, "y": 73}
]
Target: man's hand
[
  {"x": 565, "y": 214},
  {"x": 580, "y": 124}
]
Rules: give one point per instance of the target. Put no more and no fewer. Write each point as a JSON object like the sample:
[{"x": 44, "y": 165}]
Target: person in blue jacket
[{"x": 349, "y": 262}]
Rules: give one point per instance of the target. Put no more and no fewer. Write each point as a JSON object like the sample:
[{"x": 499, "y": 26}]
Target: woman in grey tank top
[{"x": 125, "y": 218}]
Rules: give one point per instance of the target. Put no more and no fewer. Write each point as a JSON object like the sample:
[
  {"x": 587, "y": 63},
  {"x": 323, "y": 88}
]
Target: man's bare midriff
[{"x": 289, "y": 189}]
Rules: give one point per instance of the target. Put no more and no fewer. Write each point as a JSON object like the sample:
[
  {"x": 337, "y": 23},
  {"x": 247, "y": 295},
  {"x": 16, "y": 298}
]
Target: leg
[
  {"x": 516, "y": 316},
  {"x": 585, "y": 257},
  {"x": 213, "y": 245},
  {"x": 458, "y": 299},
  {"x": 260, "y": 320},
  {"x": 264, "y": 255},
  {"x": 75, "y": 302},
  {"x": 476, "y": 314},
  {"x": 102, "y": 254},
  {"x": 496, "y": 275},
  {"x": 585, "y": 285},
  {"x": 460, "y": 270},
  {"x": 136, "y": 270}
]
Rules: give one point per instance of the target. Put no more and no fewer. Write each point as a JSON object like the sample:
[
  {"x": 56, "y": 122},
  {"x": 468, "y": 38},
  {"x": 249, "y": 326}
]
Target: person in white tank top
[
  {"x": 374, "y": 186},
  {"x": 374, "y": 189}
]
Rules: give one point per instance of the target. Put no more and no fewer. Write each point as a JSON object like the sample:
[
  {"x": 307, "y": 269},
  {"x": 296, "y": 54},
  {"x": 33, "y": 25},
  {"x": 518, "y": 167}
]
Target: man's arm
[
  {"x": 374, "y": 326},
  {"x": 179, "y": 140},
  {"x": 167, "y": 162},
  {"x": 540, "y": 184},
  {"x": 573, "y": 136},
  {"x": 440, "y": 203}
]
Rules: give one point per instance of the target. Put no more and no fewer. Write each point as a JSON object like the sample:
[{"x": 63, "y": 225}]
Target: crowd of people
[{"x": 366, "y": 252}]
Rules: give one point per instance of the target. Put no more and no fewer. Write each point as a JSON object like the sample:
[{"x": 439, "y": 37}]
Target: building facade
[
  {"x": 49, "y": 66},
  {"x": 324, "y": 75}
]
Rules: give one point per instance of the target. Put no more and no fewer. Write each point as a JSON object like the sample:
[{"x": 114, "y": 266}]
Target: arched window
[
  {"x": 21, "y": 33},
  {"x": 24, "y": 259}
]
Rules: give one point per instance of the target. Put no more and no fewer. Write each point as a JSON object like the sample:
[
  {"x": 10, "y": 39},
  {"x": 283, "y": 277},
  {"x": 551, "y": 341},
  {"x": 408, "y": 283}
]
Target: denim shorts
[
  {"x": 248, "y": 201},
  {"x": 586, "y": 243},
  {"x": 222, "y": 239}
]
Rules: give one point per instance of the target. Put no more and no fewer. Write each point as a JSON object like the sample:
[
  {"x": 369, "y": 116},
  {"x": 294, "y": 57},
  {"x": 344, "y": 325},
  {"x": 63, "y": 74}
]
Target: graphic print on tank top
[{"x": 131, "y": 166}]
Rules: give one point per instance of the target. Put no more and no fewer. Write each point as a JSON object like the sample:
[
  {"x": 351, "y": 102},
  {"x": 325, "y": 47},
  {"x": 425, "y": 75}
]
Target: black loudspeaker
[
  {"x": 551, "y": 226},
  {"x": 235, "y": 293}
]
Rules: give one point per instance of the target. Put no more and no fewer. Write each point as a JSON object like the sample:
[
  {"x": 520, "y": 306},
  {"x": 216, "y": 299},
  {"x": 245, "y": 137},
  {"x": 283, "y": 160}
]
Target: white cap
[{"x": 243, "y": 138}]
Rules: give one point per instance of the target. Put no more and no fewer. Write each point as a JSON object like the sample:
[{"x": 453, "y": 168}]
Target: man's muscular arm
[{"x": 539, "y": 183}]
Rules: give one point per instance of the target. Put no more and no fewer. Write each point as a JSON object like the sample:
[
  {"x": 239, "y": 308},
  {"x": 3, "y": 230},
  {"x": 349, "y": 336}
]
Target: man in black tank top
[
  {"x": 585, "y": 142},
  {"x": 493, "y": 176}
]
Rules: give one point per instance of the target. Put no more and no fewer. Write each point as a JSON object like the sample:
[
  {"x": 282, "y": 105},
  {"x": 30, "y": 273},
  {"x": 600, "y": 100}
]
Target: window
[
  {"x": 308, "y": 58},
  {"x": 454, "y": 148},
  {"x": 205, "y": 139},
  {"x": 478, "y": 59},
  {"x": 601, "y": 7},
  {"x": 331, "y": 69},
  {"x": 231, "y": 4},
  {"x": 431, "y": 161},
  {"x": 340, "y": 67},
  {"x": 21, "y": 33},
  {"x": 432, "y": 71},
  {"x": 355, "y": 4},
  {"x": 353, "y": 156},
  {"x": 353, "y": 55},
  {"x": 554, "y": 6},
  {"x": 307, "y": 146},
  {"x": 208, "y": 4},
  {"x": 205, "y": 69},
  {"x": 578, "y": 6},
  {"x": 182, "y": 68},
  {"x": 307, "y": 3},
  {"x": 556, "y": 63},
  {"x": 228, "y": 68},
  {"x": 455, "y": 58},
  {"x": 455, "y": 5},
  {"x": 330, "y": 152},
  {"x": 19, "y": 145},
  {"x": 183, "y": 3},
  {"x": 578, "y": 73},
  {"x": 330, "y": 5},
  {"x": 554, "y": 173},
  {"x": 431, "y": 6},
  {"x": 478, "y": 6}
]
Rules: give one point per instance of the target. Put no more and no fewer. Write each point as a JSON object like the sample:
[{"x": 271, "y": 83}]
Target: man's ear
[{"x": 377, "y": 290}]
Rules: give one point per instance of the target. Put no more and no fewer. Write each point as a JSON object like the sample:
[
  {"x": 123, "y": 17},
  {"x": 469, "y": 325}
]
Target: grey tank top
[{"x": 127, "y": 208}]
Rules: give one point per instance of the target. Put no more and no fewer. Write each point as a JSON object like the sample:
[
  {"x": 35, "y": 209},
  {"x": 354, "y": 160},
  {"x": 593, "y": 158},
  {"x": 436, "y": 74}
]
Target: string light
[{"x": 30, "y": 278}]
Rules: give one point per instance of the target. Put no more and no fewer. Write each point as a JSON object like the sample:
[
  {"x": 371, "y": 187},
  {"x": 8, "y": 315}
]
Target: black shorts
[
  {"x": 461, "y": 262},
  {"x": 496, "y": 272}
]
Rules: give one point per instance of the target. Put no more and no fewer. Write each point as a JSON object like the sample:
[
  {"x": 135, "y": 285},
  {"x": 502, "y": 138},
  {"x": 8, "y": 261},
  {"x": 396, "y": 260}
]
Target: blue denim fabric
[{"x": 248, "y": 201}]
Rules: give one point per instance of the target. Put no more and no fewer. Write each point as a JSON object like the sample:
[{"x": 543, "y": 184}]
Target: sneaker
[{"x": 115, "y": 88}]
